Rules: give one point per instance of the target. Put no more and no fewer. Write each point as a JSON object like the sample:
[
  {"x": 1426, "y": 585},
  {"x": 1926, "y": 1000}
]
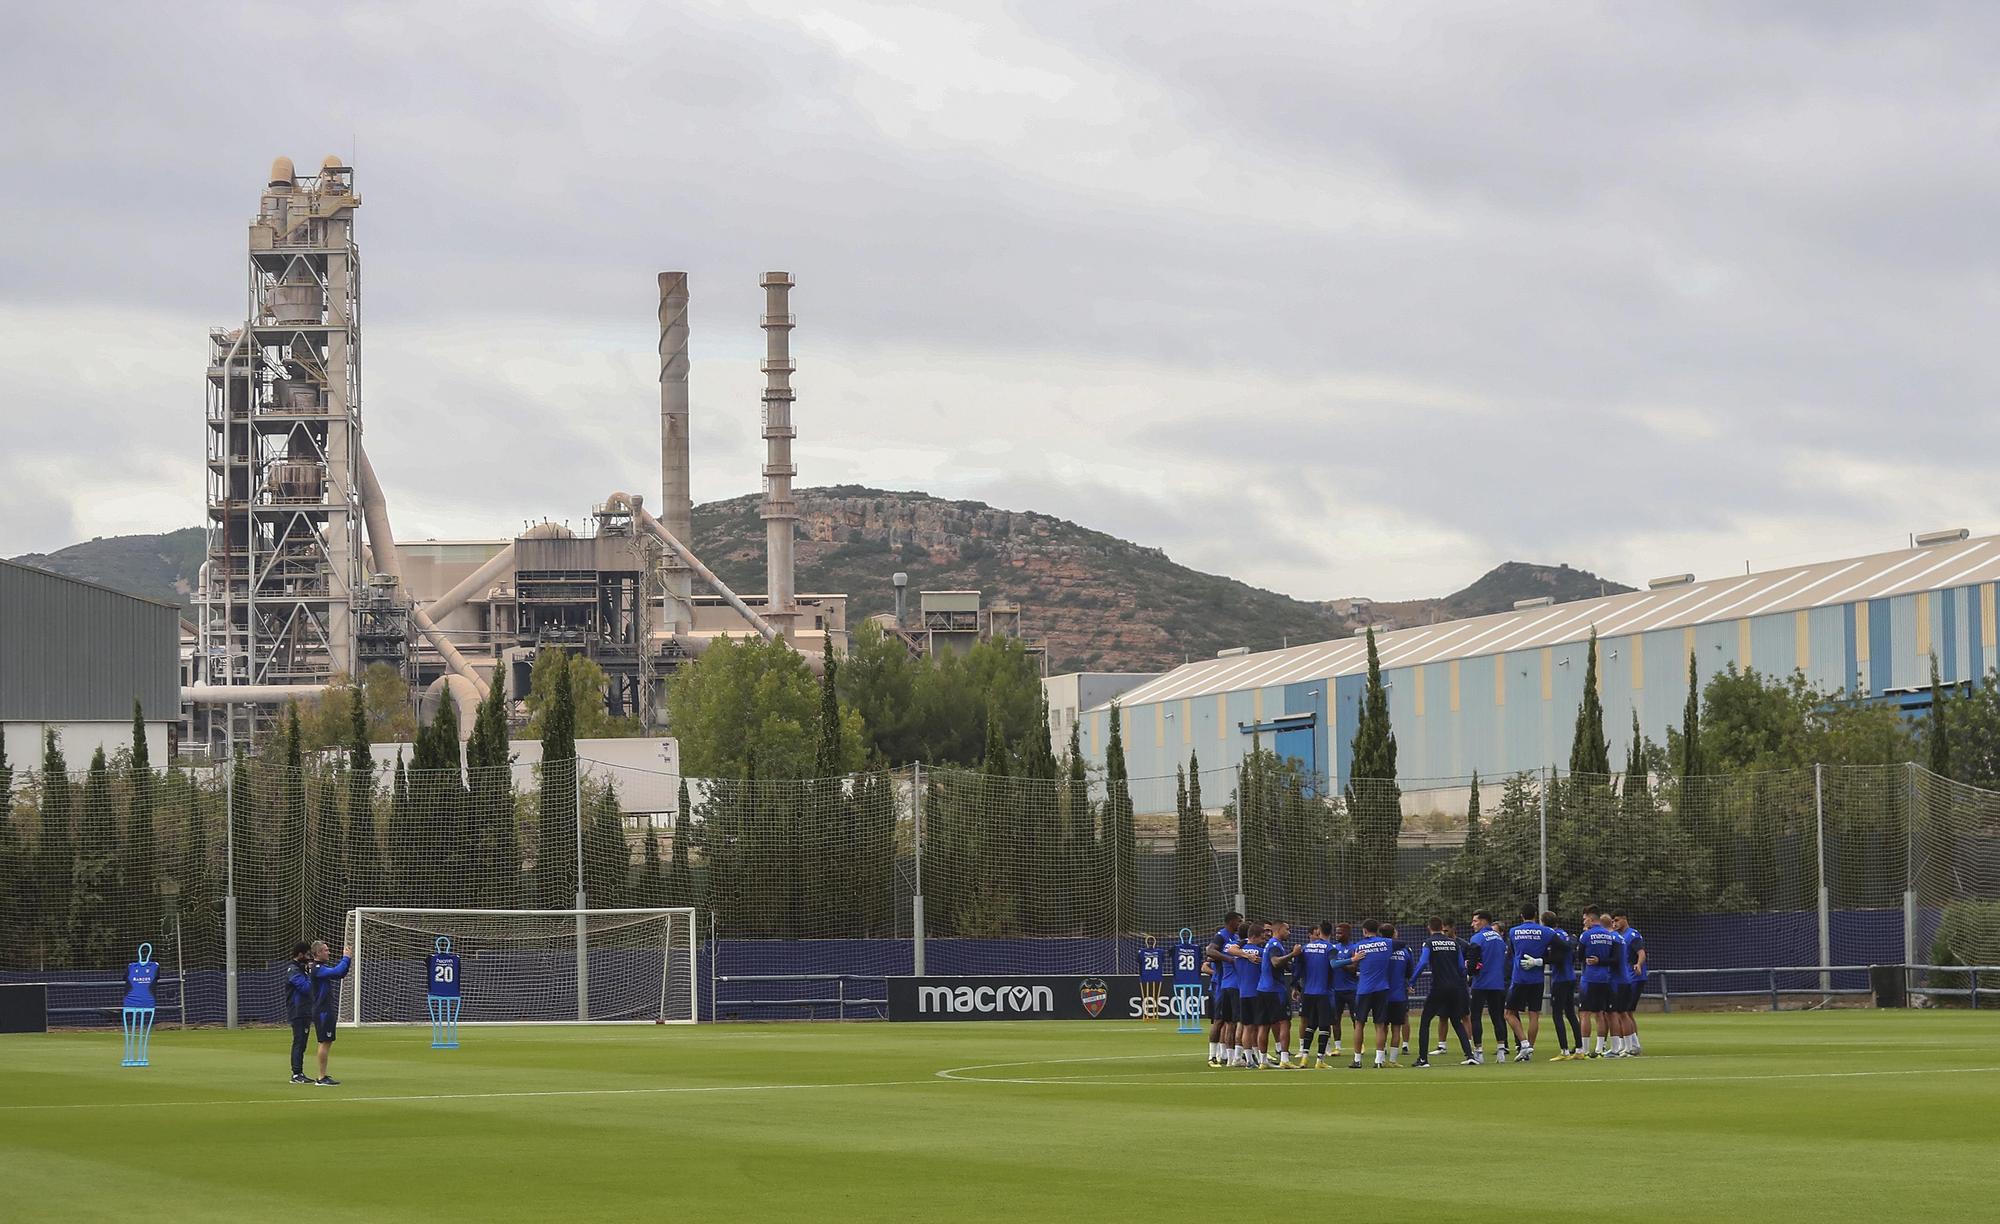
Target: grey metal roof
[
  {"x": 74, "y": 651},
  {"x": 1902, "y": 572}
]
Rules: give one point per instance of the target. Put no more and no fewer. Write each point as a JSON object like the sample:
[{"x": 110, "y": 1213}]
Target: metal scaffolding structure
[{"x": 284, "y": 545}]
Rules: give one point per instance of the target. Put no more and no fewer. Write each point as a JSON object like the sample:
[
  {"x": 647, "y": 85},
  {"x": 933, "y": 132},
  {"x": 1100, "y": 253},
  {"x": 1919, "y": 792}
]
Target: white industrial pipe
[
  {"x": 249, "y": 694},
  {"x": 463, "y": 696},
  {"x": 375, "y": 512},
  {"x": 646, "y": 520}
]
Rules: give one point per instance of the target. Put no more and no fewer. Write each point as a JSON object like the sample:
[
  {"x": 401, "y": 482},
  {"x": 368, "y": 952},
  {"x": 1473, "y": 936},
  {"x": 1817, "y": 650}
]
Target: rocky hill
[{"x": 1102, "y": 603}]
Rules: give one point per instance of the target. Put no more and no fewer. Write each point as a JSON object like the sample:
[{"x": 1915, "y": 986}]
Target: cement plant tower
[{"x": 284, "y": 569}]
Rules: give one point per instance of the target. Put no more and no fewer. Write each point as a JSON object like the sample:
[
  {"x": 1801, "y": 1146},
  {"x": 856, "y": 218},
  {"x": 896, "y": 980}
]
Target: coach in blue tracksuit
[{"x": 312, "y": 998}]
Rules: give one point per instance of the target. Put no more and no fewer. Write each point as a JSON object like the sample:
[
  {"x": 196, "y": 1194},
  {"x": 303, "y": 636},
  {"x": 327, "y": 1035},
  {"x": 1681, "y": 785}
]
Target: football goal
[{"x": 524, "y": 966}]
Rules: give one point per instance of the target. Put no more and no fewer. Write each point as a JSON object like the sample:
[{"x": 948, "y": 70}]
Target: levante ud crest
[{"x": 1095, "y": 993}]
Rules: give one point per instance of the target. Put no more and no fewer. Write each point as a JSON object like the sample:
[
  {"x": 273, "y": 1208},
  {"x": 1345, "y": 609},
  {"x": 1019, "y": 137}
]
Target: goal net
[{"x": 525, "y": 966}]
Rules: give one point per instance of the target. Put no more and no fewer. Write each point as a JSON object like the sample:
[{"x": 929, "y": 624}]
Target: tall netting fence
[{"x": 809, "y": 893}]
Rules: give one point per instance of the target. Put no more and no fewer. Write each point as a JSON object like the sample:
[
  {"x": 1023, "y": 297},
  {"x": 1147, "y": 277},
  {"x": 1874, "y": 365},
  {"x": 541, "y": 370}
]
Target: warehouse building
[
  {"x": 73, "y": 658},
  {"x": 1498, "y": 694}
]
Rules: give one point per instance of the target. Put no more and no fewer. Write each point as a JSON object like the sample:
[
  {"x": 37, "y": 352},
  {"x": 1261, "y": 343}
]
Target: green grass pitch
[{"x": 1876, "y": 1116}]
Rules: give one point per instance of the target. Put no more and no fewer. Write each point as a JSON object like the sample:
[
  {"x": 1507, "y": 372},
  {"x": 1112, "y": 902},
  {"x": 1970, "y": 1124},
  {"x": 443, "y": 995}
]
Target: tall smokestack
[
  {"x": 676, "y": 504},
  {"x": 779, "y": 511}
]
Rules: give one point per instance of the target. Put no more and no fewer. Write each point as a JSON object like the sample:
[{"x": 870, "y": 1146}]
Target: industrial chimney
[
  {"x": 779, "y": 511},
  {"x": 676, "y": 504}
]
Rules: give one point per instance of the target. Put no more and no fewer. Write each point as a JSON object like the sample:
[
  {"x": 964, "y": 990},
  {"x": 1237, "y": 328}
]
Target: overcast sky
[{"x": 1335, "y": 298}]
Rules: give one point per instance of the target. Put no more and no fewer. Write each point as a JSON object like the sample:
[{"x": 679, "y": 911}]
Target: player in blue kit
[
  {"x": 1255, "y": 1028},
  {"x": 1343, "y": 977},
  {"x": 1273, "y": 995},
  {"x": 1402, "y": 962},
  {"x": 1529, "y": 945},
  {"x": 1635, "y": 983},
  {"x": 1486, "y": 959},
  {"x": 136, "y": 1014},
  {"x": 1603, "y": 956},
  {"x": 1223, "y": 1008},
  {"x": 442, "y": 993},
  {"x": 1562, "y": 992},
  {"x": 1370, "y": 956},
  {"x": 1315, "y": 981}
]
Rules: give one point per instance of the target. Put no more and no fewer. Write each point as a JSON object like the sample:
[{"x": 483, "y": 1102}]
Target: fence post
[
  {"x": 1910, "y": 866},
  {"x": 582, "y": 923},
  {"x": 1774, "y": 989},
  {"x": 229, "y": 877},
  {"x": 1542, "y": 819},
  {"x": 917, "y": 899},
  {"x": 1825, "y": 910},
  {"x": 1666, "y": 999}
]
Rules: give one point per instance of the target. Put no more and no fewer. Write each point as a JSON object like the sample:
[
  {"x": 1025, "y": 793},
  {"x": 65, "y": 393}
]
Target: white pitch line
[
  {"x": 957, "y": 1075},
  {"x": 460, "y": 1096}
]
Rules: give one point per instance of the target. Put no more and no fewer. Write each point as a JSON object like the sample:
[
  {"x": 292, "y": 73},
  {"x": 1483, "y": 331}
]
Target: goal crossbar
[{"x": 495, "y": 937}]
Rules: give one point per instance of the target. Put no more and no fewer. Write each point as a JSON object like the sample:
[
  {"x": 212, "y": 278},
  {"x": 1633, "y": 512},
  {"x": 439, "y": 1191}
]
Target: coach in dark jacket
[{"x": 312, "y": 993}]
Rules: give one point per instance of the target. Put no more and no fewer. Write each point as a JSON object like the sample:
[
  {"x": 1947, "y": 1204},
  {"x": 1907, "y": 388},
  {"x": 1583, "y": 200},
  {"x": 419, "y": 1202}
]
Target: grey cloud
[{"x": 1772, "y": 218}]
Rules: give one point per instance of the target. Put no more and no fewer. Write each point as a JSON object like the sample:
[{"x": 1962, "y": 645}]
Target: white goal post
[{"x": 558, "y": 966}]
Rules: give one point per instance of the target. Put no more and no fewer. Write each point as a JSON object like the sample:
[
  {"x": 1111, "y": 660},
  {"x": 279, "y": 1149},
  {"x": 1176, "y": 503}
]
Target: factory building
[
  {"x": 1499, "y": 694},
  {"x": 74, "y": 656},
  {"x": 305, "y": 583}
]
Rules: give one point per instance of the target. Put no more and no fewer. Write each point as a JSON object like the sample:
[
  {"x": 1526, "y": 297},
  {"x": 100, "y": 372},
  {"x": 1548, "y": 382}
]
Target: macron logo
[{"x": 985, "y": 1000}]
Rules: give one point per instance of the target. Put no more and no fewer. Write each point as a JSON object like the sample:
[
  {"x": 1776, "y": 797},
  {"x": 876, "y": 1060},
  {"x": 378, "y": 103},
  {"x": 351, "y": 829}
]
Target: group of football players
[{"x": 1263, "y": 982}]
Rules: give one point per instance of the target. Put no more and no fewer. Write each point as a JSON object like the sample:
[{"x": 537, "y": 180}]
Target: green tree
[
  {"x": 141, "y": 871},
  {"x": 326, "y": 854},
  {"x": 1080, "y": 849},
  {"x": 826, "y": 854},
  {"x": 557, "y": 812},
  {"x": 17, "y": 884},
  {"x": 197, "y": 878},
  {"x": 879, "y": 681},
  {"x": 587, "y": 685},
  {"x": 1374, "y": 800},
  {"x": 285, "y": 858},
  {"x": 1120, "y": 836},
  {"x": 1690, "y": 756},
  {"x": 607, "y": 856},
  {"x": 1937, "y": 738},
  {"x": 55, "y": 858},
  {"x": 1589, "y": 753},
  {"x": 1473, "y": 832},
  {"x": 1038, "y": 815},
  {"x": 680, "y": 869},
  {"x": 363, "y": 871},
  {"x": 1194, "y": 854},
  {"x": 746, "y": 697},
  {"x": 1637, "y": 799},
  {"x": 94, "y": 900},
  {"x": 493, "y": 859}
]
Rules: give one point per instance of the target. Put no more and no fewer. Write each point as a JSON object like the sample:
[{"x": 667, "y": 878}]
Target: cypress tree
[
  {"x": 16, "y": 872},
  {"x": 363, "y": 874},
  {"x": 94, "y": 897},
  {"x": 493, "y": 855},
  {"x": 402, "y": 842},
  {"x": 1937, "y": 740},
  {"x": 1637, "y": 800},
  {"x": 556, "y": 810},
  {"x": 680, "y": 873},
  {"x": 827, "y": 852},
  {"x": 1589, "y": 754},
  {"x": 200, "y": 919},
  {"x": 141, "y": 873},
  {"x": 1194, "y": 856},
  {"x": 1374, "y": 800},
  {"x": 607, "y": 857},
  {"x": 1474, "y": 835},
  {"x": 55, "y": 858},
  {"x": 1082, "y": 888},
  {"x": 286, "y": 909},
  {"x": 1691, "y": 762},
  {"x": 1122, "y": 838}
]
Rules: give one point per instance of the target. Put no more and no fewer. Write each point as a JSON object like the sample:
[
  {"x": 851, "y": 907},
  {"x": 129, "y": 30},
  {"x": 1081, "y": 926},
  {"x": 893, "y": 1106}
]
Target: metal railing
[
  {"x": 1820, "y": 981},
  {"x": 840, "y": 1001}
]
